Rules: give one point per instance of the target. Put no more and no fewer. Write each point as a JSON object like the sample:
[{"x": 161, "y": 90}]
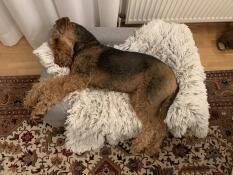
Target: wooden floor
[
  {"x": 205, "y": 36},
  {"x": 19, "y": 60}
]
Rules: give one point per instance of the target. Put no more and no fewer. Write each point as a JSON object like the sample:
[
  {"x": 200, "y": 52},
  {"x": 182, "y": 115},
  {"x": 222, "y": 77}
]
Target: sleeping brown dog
[{"x": 151, "y": 84}]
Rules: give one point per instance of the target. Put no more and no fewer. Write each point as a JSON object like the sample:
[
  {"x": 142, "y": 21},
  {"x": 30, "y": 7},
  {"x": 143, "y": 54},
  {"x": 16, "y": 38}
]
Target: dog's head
[{"x": 62, "y": 41}]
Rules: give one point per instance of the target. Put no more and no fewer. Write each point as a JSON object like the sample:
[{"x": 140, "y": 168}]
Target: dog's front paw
[
  {"x": 33, "y": 96},
  {"x": 152, "y": 151},
  {"x": 137, "y": 146},
  {"x": 36, "y": 116},
  {"x": 29, "y": 101}
]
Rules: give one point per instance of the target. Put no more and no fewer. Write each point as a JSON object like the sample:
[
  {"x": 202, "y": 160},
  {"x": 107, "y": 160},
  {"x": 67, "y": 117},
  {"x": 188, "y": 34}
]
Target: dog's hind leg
[
  {"x": 153, "y": 127},
  {"x": 151, "y": 103},
  {"x": 160, "y": 128}
]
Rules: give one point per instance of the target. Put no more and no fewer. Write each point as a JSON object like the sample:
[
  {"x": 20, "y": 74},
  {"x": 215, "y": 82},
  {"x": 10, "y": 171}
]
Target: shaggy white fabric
[
  {"x": 46, "y": 59},
  {"x": 98, "y": 115}
]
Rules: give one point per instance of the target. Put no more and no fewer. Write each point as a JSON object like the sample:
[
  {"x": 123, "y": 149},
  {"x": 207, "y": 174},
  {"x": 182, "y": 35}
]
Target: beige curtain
[{"x": 34, "y": 18}]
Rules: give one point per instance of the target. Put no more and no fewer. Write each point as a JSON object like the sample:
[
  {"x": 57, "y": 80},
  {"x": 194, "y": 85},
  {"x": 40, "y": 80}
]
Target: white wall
[
  {"x": 108, "y": 10},
  {"x": 84, "y": 12}
]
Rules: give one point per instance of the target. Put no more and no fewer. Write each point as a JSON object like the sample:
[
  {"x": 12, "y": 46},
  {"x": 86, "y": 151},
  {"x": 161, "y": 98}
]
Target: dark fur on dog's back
[
  {"x": 124, "y": 62},
  {"x": 151, "y": 84}
]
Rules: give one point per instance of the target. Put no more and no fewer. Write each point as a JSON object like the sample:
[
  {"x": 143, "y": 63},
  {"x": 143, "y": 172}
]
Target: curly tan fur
[{"x": 151, "y": 85}]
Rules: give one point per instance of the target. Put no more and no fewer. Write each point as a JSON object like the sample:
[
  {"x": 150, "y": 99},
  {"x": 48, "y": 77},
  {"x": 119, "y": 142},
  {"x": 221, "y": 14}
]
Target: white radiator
[{"x": 141, "y": 11}]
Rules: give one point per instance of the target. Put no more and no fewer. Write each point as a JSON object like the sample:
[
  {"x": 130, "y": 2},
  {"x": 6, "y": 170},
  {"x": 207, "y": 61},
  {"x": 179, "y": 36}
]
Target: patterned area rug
[{"x": 29, "y": 149}]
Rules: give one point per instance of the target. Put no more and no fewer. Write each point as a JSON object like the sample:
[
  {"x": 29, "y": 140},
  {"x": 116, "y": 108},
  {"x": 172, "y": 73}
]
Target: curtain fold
[
  {"x": 9, "y": 31},
  {"x": 34, "y": 18},
  {"x": 32, "y": 22}
]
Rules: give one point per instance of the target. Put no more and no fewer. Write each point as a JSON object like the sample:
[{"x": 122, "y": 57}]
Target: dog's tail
[{"x": 164, "y": 107}]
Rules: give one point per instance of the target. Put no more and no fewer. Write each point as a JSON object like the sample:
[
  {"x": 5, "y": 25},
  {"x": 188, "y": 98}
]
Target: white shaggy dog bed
[{"x": 97, "y": 116}]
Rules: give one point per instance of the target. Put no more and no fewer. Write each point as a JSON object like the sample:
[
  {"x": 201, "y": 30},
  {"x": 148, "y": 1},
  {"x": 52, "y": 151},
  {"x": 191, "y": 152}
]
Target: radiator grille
[{"x": 141, "y": 11}]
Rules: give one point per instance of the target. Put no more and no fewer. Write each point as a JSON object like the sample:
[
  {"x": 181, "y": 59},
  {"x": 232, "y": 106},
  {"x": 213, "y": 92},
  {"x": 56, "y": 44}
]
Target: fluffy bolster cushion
[{"x": 99, "y": 115}]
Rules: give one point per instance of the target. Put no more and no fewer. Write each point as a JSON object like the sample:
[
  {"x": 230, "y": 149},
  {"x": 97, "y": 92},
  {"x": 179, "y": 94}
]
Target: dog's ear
[
  {"x": 63, "y": 24},
  {"x": 62, "y": 52},
  {"x": 63, "y": 55},
  {"x": 62, "y": 41}
]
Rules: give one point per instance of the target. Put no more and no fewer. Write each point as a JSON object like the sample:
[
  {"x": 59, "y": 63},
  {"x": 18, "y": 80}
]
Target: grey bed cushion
[{"x": 56, "y": 116}]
